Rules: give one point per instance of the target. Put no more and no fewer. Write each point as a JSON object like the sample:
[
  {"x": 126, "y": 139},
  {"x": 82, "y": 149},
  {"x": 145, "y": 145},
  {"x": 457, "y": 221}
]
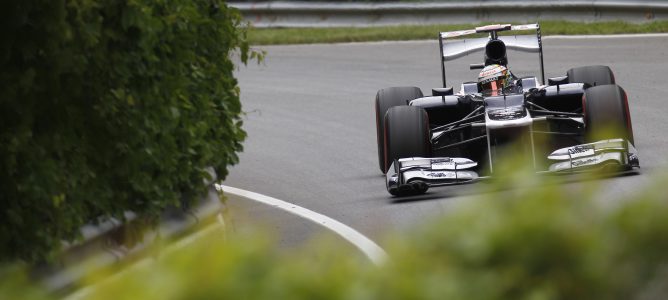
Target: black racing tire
[
  {"x": 591, "y": 75},
  {"x": 606, "y": 113},
  {"x": 406, "y": 134},
  {"x": 385, "y": 99}
]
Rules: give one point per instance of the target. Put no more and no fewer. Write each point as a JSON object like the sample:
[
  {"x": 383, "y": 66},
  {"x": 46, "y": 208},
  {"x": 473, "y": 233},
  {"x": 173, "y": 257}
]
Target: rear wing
[{"x": 453, "y": 47}]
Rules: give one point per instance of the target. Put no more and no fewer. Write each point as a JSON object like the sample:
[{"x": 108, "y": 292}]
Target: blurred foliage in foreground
[
  {"x": 111, "y": 106},
  {"x": 538, "y": 242},
  {"x": 277, "y": 36}
]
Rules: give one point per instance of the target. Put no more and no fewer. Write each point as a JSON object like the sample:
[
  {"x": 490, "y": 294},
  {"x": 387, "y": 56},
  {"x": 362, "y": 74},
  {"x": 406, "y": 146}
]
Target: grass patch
[{"x": 282, "y": 36}]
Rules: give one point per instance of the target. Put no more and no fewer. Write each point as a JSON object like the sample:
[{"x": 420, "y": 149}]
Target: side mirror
[
  {"x": 557, "y": 80},
  {"x": 442, "y": 91}
]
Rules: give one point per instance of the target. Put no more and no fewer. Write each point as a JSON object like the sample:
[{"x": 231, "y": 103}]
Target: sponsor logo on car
[
  {"x": 442, "y": 175},
  {"x": 580, "y": 151},
  {"x": 583, "y": 162}
]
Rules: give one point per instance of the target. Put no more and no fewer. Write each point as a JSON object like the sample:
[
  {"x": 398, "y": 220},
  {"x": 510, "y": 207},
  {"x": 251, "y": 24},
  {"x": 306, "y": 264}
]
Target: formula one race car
[{"x": 452, "y": 138}]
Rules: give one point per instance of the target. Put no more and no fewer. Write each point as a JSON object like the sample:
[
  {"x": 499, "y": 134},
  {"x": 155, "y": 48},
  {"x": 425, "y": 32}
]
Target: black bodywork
[{"x": 459, "y": 126}]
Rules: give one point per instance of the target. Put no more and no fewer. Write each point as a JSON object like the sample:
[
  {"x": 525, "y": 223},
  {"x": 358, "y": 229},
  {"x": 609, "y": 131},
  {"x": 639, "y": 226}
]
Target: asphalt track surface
[{"x": 311, "y": 125}]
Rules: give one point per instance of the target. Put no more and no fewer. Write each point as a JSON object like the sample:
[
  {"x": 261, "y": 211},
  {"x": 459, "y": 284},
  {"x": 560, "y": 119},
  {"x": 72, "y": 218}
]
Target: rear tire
[
  {"x": 385, "y": 99},
  {"x": 591, "y": 75},
  {"x": 606, "y": 113},
  {"x": 406, "y": 134}
]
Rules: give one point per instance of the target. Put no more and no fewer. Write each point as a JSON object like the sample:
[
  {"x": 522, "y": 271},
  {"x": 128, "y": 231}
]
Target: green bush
[
  {"x": 538, "y": 242},
  {"x": 543, "y": 242},
  {"x": 109, "y": 106}
]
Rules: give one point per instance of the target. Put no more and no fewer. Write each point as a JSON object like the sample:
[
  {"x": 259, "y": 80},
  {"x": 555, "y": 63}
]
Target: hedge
[
  {"x": 111, "y": 106},
  {"x": 537, "y": 241}
]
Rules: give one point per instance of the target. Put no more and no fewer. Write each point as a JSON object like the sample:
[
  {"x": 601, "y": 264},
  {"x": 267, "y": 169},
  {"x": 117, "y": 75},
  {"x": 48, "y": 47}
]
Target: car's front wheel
[
  {"x": 406, "y": 134},
  {"x": 606, "y": 113},
  {"x": 385, "y": 99}
]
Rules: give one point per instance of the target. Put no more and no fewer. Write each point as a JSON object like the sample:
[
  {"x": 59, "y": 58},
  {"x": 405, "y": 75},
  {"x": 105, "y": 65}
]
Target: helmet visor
[{"x": 493, "y": 85}]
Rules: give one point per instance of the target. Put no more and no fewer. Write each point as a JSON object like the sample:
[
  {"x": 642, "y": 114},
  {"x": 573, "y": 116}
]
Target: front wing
[{"x": 415, "y": 175}]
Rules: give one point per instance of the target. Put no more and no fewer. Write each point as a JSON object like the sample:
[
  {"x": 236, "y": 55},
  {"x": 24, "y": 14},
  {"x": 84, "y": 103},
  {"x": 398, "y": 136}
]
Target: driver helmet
[{"x": 493, "y": 78}]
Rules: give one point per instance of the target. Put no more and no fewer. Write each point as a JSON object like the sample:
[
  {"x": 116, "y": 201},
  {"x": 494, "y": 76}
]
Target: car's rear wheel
[
  {"x": 385, "y": 99},
  {"x": 406, "y": 134},
  {"x": 606, "y": 113},
  {"x": 591, "y": 75}
]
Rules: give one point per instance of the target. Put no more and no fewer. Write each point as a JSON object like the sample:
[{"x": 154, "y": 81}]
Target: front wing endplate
[{"x": 416, "y": 174}]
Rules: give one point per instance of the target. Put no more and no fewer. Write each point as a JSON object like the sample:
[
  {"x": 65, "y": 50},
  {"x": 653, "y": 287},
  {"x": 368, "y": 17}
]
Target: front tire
[
  {"x": 385, "y": 99},
  {"x": 606, "y": 113},
  {"x": 406, "y": 134}
]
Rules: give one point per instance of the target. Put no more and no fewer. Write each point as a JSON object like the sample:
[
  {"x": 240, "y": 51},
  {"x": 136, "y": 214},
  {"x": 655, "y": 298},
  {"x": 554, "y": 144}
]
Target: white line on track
[{"x": 376, "y": 254}]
